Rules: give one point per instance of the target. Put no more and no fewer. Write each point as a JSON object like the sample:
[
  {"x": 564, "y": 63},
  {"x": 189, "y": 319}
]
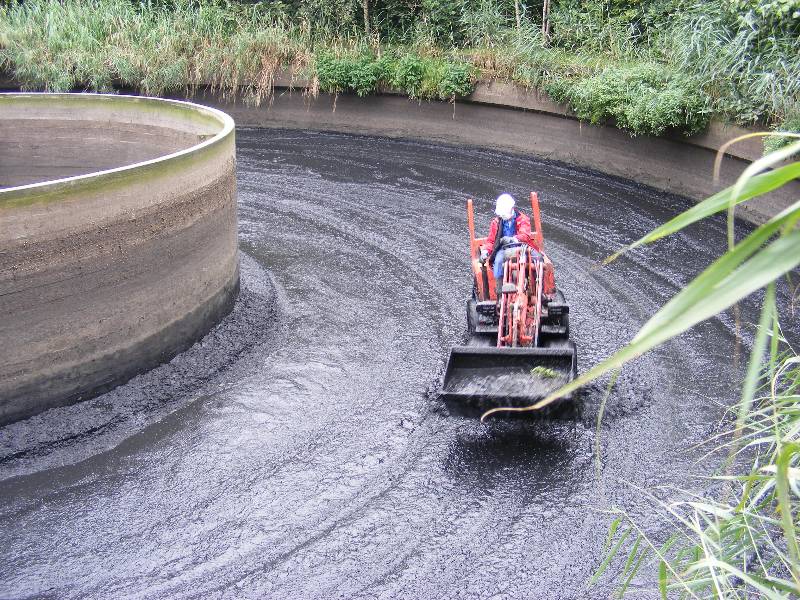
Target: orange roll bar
[
  {"x": 537, "y": 220},
  {"x": 471, "y": 222}
]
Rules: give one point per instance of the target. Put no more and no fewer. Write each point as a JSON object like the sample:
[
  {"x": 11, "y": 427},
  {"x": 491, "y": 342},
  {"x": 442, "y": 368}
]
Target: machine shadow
[{"x": 535, "y": 452}]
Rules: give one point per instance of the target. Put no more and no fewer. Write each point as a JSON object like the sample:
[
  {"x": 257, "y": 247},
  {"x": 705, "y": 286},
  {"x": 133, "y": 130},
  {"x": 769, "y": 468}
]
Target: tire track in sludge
[{"x": 315, "y": 465}]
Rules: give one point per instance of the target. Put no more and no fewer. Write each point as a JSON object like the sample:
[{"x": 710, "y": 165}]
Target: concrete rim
[
  {"x": 508, "y": 119},
  {"x": 225, "y": 120},
  {"x": 119, "y": 248}
]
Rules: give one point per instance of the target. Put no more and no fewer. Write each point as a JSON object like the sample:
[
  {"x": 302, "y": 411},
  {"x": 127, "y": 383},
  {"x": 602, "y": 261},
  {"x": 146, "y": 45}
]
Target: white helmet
[{"x": 505, "y": 206}]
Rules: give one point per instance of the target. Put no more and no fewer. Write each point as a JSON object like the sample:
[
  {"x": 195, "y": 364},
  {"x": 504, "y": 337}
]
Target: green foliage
[
  {"x": 408, "y": 74},
  {"x": 432, "y": 78},
  {"x": 742, "y": 55},
  {"x": 366, "y": 73},
  {"x": 81, "y": 44},
  {"x": 544, "y": 372},
  {"x": 678, "y": 61},
  {"x": 335, "y": 74},
  {"x": 592, "y": 27},
  {"x": 454, "y": 80},
  {"x": 418, "y": 77},
  {"x": 790, "y": 125},
  {"x": 440, "y": 20},
  {"x": 748, "y": 68},
  {"x": 323, "y": 16},
  {"x": 484, "y": 23},
  {"x": 395, "y": 19},
  {"x": 645, "y": 99},
  {"x": 773, "y": 12}
]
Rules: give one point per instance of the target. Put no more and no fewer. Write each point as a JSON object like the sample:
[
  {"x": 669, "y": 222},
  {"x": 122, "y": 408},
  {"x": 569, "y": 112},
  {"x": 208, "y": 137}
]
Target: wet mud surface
[{"x": 296, "y": 452}]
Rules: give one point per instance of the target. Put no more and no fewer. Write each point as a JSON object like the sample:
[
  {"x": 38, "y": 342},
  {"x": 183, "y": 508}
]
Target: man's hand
[{"x": 484, "y": 254}]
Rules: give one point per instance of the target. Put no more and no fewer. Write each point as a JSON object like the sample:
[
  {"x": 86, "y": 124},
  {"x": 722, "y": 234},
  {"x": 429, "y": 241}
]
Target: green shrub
[
  {"x": 407, "y": 75},
  {"x": 456, "y": 79},
  {"x": 419, "y": 77},
  {"x": 644, "y": 99},
  {"x": 361, "y": 74},
  {"x": 365, "y": 75},
  {"x": 558, "y": 89},
  {"x": 424, "y": 77},
  {"x": 334, "y": 73}
]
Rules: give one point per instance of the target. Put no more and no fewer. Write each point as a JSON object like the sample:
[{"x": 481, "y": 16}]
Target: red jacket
[{"x": 524, "y": 234}]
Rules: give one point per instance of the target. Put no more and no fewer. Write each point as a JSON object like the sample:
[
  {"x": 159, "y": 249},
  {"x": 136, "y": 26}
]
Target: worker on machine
[{"x": 510, "y": 226}]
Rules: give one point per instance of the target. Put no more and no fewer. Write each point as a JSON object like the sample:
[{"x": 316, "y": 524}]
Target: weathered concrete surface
[
  {"x": 506, "y": 117},
  {"x": 106, "y": 274},
  {"x": 540, "y": 127},
  {"x": 511, "y": 95},
  {"x": 35, "y": 150}
]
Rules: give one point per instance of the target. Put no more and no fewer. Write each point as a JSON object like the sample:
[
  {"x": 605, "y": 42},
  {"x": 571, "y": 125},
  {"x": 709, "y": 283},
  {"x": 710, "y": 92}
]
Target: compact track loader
[{"x": 518, "y": 348}]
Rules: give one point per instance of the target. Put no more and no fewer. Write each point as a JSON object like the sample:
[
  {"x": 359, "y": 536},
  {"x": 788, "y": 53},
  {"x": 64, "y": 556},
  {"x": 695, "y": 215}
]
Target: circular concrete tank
[{"x": 118, "y": 240}]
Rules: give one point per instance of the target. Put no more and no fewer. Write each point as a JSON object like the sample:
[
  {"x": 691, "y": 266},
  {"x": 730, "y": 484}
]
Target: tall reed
[
  {"x": 708, "y": 61},
  {"x": 99, "y": 44}
]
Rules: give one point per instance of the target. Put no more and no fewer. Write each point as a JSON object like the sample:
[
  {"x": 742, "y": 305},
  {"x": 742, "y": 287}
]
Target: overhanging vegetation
[{"x": 646, "y": 66}]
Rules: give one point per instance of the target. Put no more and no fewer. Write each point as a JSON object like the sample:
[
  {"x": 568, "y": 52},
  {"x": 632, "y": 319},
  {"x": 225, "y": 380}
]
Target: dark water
[{"x": 294, "y": 453}]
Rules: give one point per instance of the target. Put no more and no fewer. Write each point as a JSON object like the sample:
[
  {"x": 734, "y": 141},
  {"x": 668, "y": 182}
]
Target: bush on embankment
[
  {"x": 647, "y": 66},
  {"x": 645, "y": 98},
  {"x": 417, "y": 76}
]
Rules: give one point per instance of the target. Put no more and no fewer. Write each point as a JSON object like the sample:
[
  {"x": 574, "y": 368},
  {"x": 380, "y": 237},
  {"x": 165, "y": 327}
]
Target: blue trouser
[{"x": 497, "y": 267}]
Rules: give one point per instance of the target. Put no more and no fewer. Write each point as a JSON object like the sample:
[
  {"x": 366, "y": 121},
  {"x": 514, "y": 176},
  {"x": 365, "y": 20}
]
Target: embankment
[{"x": 508, "y": 117}]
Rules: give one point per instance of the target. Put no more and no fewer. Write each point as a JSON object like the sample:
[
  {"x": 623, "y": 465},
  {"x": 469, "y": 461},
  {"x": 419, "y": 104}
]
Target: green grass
[
  {"x": 791, "y": 125},
  {"x": 647, "y": 67},
  {"x": 749, "y": 69},
  {"x": 99, "y": 45}
]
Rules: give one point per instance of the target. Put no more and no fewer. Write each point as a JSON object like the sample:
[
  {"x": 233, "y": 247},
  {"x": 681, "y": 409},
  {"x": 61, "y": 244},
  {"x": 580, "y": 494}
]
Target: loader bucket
[{"x": 485, "y": 377}]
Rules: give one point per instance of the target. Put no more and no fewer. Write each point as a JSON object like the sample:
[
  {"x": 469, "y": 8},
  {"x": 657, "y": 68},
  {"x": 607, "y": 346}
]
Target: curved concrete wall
[
  {"x": 125, "y": 257},
  {"x": 508, "y": 117}
]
